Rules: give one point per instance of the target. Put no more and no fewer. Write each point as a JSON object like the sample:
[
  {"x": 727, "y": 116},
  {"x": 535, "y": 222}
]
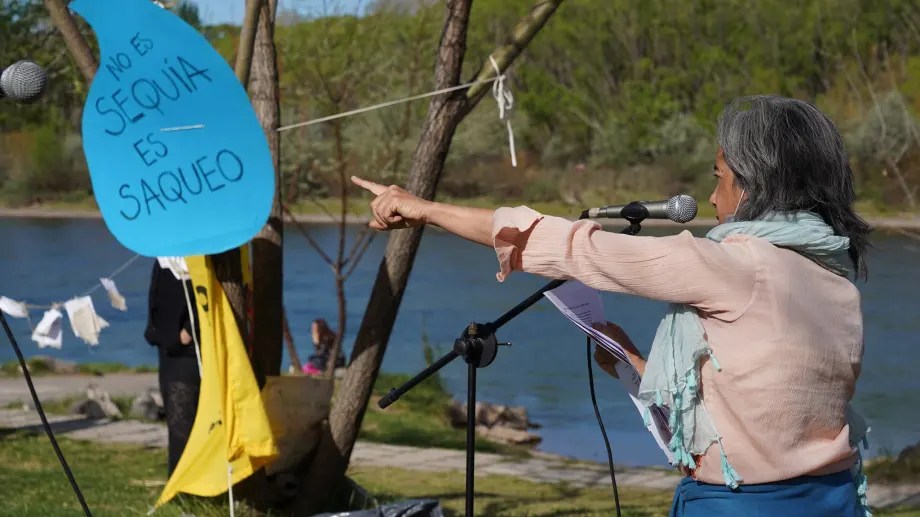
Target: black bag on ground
[{"x": 412, "y": 508}]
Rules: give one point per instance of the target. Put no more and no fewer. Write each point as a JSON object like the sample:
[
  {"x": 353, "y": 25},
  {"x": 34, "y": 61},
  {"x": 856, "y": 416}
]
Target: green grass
[
  {"x": 42, "y": 366},
  {"x": 121, "y": 480},
  {"x": 419, "y": 418},
  {"x": 116, "y": 480},
  {"x": 125, "y": 480}
]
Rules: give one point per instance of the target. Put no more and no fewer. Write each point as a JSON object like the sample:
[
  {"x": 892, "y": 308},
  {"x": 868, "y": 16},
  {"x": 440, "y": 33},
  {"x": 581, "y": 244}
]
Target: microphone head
[
  {"x": 23, "y": 81},
  {"x": 681, "y": 209}
]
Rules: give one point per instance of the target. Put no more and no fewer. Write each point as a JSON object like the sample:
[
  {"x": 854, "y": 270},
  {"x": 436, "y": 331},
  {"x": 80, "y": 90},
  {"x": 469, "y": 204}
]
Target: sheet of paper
[{"x": 583, "y": 306}]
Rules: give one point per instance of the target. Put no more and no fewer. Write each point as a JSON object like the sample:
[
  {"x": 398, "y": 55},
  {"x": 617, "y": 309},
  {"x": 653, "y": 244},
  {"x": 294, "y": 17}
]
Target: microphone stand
[{"x": 478, "y": 346}]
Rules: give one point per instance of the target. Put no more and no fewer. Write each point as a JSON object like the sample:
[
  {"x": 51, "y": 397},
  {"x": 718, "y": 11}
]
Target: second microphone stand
[{"x": 478, "y": 346}]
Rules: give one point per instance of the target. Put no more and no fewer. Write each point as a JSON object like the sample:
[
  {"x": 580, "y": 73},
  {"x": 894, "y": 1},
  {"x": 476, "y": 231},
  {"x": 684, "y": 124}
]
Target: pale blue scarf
[{"x": 672, "y": 374}]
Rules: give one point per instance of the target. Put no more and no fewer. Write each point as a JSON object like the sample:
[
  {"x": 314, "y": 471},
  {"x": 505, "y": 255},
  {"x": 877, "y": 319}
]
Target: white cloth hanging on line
[
  {"x": 84, "y": 321},
  {"x": 48, "y": 332},
  {"x": 115, "y": 297},
  {"x": 13, "y": 308}
]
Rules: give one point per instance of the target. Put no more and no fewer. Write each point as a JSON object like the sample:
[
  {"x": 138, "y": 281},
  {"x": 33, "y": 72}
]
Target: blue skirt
[{"x": 833, "y": 495}]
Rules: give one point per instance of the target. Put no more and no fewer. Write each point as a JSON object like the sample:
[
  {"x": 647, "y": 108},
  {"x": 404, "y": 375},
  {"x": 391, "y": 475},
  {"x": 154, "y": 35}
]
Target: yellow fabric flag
[{"x": 231, "y": 427}]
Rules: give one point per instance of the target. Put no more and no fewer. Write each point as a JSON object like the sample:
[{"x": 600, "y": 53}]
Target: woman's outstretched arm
[
  {"x": 715, "y": 277},
  {"x": 395, "y": 208}
]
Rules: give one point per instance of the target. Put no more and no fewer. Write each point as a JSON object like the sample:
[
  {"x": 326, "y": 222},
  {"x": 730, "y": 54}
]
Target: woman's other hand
[
  {"x": 606, "y": 360},
  {"x": 184, "y": 337},
  {"x": 393, "y": 208}
]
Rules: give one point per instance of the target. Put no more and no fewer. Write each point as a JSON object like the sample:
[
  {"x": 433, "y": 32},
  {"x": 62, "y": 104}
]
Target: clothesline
[
  {"x": 92, "y": 289},
  {"x": 80, "y": 311},
  {"x": 502, "y": 97}
]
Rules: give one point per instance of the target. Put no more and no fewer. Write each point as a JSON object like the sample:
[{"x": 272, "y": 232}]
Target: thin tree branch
[
  {"x": 289, "y": 341},
  {"x": 354, "y": 246},
  {"x": 315, "y": 245},
  {"x": 67, "y": 26},
  {"x": 357, "y": 257},
  {"x": 870, "y": 88}
]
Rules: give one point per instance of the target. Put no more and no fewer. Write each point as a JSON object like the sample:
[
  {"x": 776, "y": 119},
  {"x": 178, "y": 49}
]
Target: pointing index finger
[{"x": 374, "y": 188}]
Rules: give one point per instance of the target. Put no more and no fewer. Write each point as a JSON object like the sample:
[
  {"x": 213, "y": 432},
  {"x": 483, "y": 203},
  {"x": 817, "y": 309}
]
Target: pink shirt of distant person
[{"x": 787, "y": 333}]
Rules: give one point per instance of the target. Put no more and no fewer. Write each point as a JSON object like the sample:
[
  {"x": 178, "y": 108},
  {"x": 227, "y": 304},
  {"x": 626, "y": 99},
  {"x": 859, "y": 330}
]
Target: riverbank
[{"x": 904, "y": 222}]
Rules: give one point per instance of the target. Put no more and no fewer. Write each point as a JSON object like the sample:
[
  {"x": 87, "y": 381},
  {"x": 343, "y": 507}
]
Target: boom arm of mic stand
[
  {"x": 485, "y": 331},
  {"x": 395, "y": 393}
]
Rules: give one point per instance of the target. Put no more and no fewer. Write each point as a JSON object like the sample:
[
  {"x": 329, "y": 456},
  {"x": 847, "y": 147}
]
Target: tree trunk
[
  {"x": 228, "y": 268},
  {"x": 289, "y": 342},
  {"x": 326, "y": 471},
  {"x": 244, "y": 52},
  {"x": 265, "y": 304},
  {"x": 267, "y": 270},
  {"x": 79, "y": 49}
]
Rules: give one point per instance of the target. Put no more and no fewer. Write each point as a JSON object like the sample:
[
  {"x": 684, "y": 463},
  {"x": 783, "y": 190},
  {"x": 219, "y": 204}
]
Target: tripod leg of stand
[{"x": 470, "y": 436}]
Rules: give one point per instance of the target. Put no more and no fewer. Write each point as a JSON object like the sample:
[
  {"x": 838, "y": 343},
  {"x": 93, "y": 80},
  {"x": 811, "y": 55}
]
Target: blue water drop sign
[{"x": 178, "y": 160}]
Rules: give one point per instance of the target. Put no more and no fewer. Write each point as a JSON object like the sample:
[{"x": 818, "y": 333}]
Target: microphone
[
  {"x": 23, "y": 81},
  {"x": 680, "y": 209}
]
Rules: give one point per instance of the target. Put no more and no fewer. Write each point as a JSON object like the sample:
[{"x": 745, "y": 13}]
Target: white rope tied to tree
[
  {"x": 505, "y": 104},
  {"x": 88, "y": 291},
  {"x": 499, "y": 92},
  {"x": 385, "y": 104}
]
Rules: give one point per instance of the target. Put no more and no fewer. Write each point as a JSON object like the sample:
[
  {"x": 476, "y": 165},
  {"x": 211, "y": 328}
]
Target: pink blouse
[{"x": 786, "y": 332}]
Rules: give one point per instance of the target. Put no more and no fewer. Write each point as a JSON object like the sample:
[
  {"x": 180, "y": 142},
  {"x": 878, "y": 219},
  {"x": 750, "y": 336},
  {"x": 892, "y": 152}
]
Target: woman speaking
[{"x": 758, "y": 356}]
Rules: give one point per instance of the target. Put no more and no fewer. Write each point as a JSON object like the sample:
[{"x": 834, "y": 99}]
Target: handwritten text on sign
[{"x": 164, "y": 190}]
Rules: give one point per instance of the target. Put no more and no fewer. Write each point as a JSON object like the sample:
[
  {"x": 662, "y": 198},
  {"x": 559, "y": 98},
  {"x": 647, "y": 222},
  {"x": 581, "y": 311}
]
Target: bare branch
[
  {"x": 354, "y": 246},
  {"x": 67, "y": 26},
  {"x": 289, "y": 341},
  {"x": 908, "y": 192},
  {"x": 870, "y": 88},
  {"x": 521, "y": 35},
  {"x": 910, "y": 129},
  {"x": 356, "y": 258},
  {"x": 315, "y": 245},
  {"x": 913, "y": 26},
  {"x": 321, "y": 206},
  {"x": 247, "y": 41}
]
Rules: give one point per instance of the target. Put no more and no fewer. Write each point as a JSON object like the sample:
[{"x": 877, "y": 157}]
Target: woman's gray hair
[{"x": 788, "y": 156}]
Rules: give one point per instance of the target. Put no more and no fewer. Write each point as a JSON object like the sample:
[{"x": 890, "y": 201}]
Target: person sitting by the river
[
  {"x": 761, "y": 349},
  {"x": 323, "y": 343},
  {"x": 170, "y": 329}
]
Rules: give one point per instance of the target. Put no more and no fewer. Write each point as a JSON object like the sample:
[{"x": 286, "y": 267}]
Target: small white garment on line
[
  {"x": 49, "y": 330},
  {"x": 115, "y": 298},
  {"x": 13, "y": 308},
  {"x": 84, "y": 321},
  {"x": 176, "y": 265}
]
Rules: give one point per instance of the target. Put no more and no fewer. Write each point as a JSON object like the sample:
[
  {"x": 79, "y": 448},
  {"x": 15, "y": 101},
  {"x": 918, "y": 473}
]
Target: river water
[{"x": 453, "y": 283}]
